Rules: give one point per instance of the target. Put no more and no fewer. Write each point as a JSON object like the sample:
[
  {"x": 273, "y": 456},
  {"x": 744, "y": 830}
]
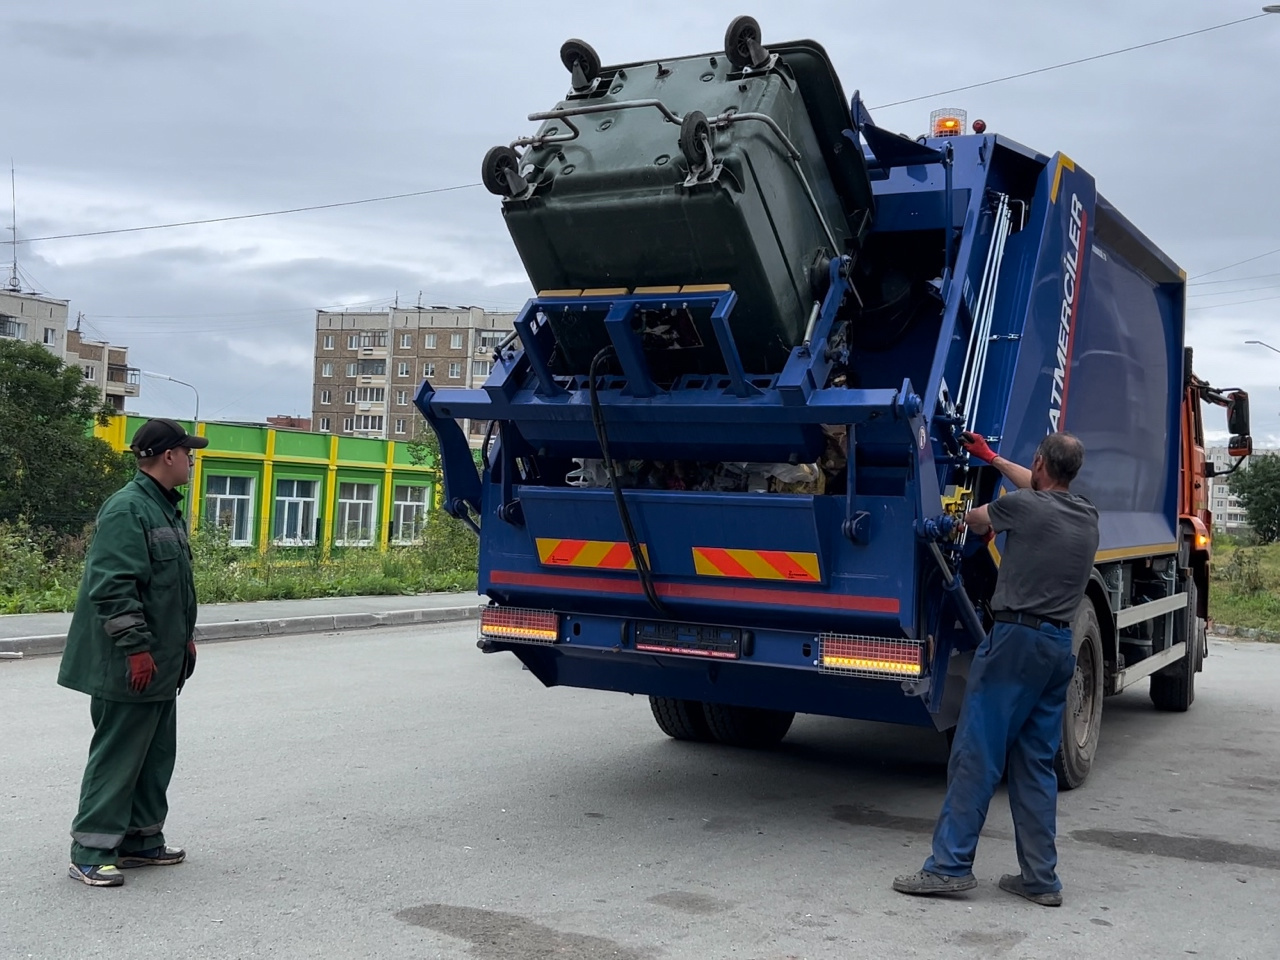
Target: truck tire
[
  {"x": 747, "y": 726},
  {"x": 681, "y": 719},
  {"x": 1082, "y": 719},
  {"x": 1174, "y": 688}
]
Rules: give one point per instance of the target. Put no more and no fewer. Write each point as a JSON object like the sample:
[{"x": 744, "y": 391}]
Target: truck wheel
[
  {"x": 747, "y": 726},
  {"x": 1174, "y": 688},
  {"x": 680, "y": 719},
  {"x": 1082, "y": 719}
]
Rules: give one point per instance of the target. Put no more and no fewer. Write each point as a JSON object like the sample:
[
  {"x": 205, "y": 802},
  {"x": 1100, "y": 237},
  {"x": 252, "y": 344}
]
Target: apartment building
[
  {"x": 43, "y": 320},
  {"x": 1228, "y": 513},
  {"x": 368, "y": 365},
  {"x": 36, "y": 319},
  {"x": 104, "y": 365}
]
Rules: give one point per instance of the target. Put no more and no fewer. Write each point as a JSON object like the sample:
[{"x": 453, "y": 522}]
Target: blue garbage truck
[{"x": 721, "y": 467}]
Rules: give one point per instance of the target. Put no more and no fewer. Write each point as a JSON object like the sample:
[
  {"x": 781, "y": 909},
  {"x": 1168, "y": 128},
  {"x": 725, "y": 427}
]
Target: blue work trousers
[{"x": 1012, "y": 714}]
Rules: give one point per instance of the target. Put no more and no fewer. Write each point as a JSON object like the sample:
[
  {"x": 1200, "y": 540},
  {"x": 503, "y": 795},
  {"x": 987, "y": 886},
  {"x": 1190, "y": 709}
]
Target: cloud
[{"x": 118, "y": 43}]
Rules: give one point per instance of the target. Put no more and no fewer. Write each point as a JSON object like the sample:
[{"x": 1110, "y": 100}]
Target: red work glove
[
  {"x": 142, "y": 670},
  {"x": 976, "y": 446},
  {"x": 989, "y": 535}
]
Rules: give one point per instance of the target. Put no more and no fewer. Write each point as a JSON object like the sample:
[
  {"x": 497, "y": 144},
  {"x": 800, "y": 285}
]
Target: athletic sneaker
[
  {"x": 97, "y": 874},
  {"x": 155, "y": 857}
]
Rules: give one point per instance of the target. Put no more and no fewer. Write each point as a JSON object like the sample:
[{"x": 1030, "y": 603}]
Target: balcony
[{"x": 123, "y": 381}]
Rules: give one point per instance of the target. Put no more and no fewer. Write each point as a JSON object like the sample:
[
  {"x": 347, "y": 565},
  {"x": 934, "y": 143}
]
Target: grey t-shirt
[{"x": 1048, "y": 553}]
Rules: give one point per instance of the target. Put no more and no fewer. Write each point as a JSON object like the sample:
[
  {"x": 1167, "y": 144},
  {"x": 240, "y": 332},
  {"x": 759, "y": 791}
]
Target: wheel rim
[{"x": 1080, "y": 695}]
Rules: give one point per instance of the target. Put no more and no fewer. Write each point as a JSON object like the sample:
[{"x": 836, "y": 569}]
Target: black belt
[{"x": 1027, "y": 620}]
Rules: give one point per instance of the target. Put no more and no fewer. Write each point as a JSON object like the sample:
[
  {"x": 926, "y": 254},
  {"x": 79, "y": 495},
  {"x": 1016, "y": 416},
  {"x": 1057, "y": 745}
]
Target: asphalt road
[{"x": 395, "y": 794}]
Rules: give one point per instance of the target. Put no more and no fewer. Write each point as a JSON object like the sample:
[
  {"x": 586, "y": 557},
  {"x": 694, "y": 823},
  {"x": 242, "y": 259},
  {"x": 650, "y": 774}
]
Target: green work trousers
[{"x": 122, "y": 799}]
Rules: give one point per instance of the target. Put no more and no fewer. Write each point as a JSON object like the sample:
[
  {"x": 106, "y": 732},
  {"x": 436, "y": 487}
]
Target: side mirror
[
  {"x": 1238, "y": 414},
  {"x": 1210, "y": 469},
  {"x": 1240, "y": 446}
]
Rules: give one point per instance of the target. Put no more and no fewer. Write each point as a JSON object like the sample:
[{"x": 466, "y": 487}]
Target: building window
[
  {"x": 399, "y": 426},
  {"x": 410, "y": 513},
  {"x": 373, "y": 338},
  {"x": 491, "y": 338},
  {"x": 428, "y": 370},
  {"x": 455, "y": 371},
  {"x": 325, "y": 396},
  {"x": 402, "y": 368},
  {"x": 12, "y": 327},
  {"x": 346, "y": 424},
  {"x": 328, "y": 341},
  {"x": 455, "y": 341},
  {"x": 366, "y": 421},
  {"x": 371, "y": 395},
  {"x": 373, "y": 368},
  {"x": 326, "y": 369},
  {"x": 351, "y": 369},
  {"x": 324, "y": 424},
  {"x": 228, "y": 504},
  {"x": 480, "y": 368},
  {"x": 295, "y": 512},
  {"x": 90, "y": 372},
  {"x": 402, "y": 398},
  {"x": 431, "y": 341},
  {"x": 406, "y": 340},
  {"x": 353, "y": 341},
  {"x": 50, "y": 336},
  {"x": 356, "y": 514}
]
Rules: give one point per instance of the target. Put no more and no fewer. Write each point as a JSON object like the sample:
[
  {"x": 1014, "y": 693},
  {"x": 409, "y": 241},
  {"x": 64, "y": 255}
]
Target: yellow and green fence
[{"x": 292, "y": 488}]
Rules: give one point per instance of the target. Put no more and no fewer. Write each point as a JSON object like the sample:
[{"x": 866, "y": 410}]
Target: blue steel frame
[{"x": 888, "y": 562}]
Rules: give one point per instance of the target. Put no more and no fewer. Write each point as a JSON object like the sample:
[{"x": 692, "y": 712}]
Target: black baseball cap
[{"x": 156, "y": 436}]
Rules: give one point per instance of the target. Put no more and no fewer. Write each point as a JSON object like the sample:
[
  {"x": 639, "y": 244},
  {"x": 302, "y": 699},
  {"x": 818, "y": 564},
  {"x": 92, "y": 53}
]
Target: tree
[
  {"x": 1258, "y": 487},
  {"x": 53, "y": 472}
]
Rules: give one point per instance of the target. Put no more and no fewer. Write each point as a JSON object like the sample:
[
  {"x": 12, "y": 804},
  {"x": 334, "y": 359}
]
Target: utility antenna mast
[{"x": 14, "y": 283}]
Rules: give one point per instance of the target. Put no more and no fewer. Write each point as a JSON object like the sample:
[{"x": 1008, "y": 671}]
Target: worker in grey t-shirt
[{"x": 1017, "y": 688}]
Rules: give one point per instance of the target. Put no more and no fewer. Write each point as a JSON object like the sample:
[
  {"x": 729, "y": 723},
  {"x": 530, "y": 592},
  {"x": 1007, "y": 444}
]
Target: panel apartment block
[{"x": 368, "y": 365}]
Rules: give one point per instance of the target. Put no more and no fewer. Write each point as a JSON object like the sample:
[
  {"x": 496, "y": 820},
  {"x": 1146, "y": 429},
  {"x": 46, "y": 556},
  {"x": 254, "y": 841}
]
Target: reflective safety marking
[
  {"x": 560, "y": 293},
  {"x": 704, "y": 288},
  {"x": 757, "y": 564},
  {"x": 597, "y": 554},
  {"x": 98, "y": 841},
  {"x": 675, "y": 289},
  {"x": 126, "y": 621}
]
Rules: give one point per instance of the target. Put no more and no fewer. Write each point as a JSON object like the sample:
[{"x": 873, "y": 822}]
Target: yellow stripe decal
[
  {"x": 1063, "y": 161},
  {"x": 1128, "y": 553}
]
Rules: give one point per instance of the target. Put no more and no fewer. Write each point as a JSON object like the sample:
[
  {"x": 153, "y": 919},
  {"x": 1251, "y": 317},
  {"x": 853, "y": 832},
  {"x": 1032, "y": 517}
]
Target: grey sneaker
[
  {"x": 155, "y": 857},
  {"x": 1012, "y": 883},
  {"x": 97, "y": 874},
  {"x": 924, "y": 883}
]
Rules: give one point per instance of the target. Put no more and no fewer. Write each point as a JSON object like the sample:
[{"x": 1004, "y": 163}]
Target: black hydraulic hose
[{"x": 597, "y": 420}]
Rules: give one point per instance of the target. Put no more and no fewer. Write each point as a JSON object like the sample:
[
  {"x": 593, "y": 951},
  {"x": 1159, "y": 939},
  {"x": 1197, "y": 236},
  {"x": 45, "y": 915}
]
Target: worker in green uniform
[{"x": 131, "y": 648}]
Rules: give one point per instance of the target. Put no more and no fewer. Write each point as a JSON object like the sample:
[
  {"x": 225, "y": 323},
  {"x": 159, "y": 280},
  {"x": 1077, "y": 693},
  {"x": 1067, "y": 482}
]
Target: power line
[
  {"x": 1232, "y": 293},
  {"x": 1238, "y": 303},
  {"x": 1256, "y": 276},
  {"x": 1070, "y": 63},
  {"x": 246, "y": 216},
  {"x": 1238, "y": 263}
]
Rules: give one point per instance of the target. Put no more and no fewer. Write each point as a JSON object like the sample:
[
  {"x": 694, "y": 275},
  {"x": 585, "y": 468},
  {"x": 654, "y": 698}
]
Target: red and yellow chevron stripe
[
  {"x": 596, "y": 554},
  {"x": 757, "y": 564}
]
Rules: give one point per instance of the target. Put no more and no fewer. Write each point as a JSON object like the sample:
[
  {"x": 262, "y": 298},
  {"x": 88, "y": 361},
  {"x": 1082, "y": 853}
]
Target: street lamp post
[
  {"x": 163, "y": 376},
  {"x": 1259, "y": 342}
]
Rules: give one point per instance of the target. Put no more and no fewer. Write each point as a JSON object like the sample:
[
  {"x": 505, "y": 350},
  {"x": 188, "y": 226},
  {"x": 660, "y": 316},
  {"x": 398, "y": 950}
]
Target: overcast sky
[{"x": 149, "y": 111}]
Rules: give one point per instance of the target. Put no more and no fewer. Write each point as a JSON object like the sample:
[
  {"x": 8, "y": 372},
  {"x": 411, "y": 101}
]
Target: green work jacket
[{"x": 137, "y": 594}]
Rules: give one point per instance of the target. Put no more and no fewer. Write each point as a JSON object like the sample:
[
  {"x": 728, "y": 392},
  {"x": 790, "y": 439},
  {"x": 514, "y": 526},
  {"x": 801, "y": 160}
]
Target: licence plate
[{"x": 689, "y": 640}]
